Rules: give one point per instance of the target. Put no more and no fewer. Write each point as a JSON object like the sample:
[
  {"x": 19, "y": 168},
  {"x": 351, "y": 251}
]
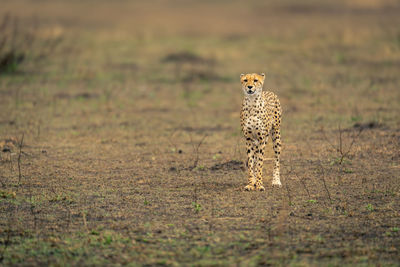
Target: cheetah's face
[{"x": 252, "y": 83}]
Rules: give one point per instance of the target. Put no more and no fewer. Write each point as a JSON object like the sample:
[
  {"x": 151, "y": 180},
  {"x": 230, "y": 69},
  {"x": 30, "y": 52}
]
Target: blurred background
[{"x": 309, "y": 50}]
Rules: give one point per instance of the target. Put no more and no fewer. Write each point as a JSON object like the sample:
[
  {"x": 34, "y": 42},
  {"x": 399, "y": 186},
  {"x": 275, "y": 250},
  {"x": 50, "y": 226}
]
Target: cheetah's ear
[
  {"x": 263, "y": 75},
  {"x": 241, "y": 75}
]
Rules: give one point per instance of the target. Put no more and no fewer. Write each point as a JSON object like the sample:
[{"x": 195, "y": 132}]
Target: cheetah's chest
[{"x": 254, "y": 125}]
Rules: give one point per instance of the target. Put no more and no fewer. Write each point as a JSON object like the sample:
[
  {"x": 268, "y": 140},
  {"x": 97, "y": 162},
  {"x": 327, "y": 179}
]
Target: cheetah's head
[{"x": 252, "y": 83}]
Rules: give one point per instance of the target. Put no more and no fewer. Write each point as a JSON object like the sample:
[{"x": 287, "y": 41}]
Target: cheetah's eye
[
  {"x": 245, "y": 80},
  {"x": 255, "y": 80}
]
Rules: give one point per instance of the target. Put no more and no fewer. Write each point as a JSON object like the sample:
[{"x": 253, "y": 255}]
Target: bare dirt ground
[{"x": 122, "y": 145}]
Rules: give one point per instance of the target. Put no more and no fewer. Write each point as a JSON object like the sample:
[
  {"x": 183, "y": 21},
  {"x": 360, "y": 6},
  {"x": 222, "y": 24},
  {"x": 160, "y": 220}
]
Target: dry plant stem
[
  {"x": 196, "y": 150},
  {"x": 322, "y": 176},
  {"x": 323, "y": 180},
  {"x": 84, "y": 221},
  {"x": 339, "y": 148},
  {"x": 301, "y": 181},
  {"x": 170, "y": 138},
  {"x": 304, "y": 185},
  {"x": 19, "y": 159},
  {"x": 327, "y": 140},
  {"x": 69, "y": 217},
  {"x": 32, "y": 209},
  {"x": 10, "y": 161},
  {"x": 288, "y": 193},
  {"x": 195, "y": 194},
  {"x": 211, "y": 220},
  {"x": 32, "y": 206},
  {"x": 345, "y": 154},
  {"x": 340, "y": 144},
  {"x": 286, "y": 184}
]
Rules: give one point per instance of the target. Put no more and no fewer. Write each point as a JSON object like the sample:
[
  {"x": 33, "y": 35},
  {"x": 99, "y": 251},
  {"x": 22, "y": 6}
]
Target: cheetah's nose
[{"x": 250, "y": 86}]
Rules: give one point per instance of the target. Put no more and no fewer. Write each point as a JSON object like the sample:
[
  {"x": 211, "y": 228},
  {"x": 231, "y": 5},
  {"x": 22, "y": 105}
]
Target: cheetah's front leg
[
  {"x": 250, "y": 166},
  {"x": 259, "y": 155}
]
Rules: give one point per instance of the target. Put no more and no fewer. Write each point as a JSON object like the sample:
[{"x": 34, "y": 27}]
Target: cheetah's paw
[
  {"x": 261, "y": 188},
  {"x": 249, "y": 187},
  {"x": 277, "y": 184}
]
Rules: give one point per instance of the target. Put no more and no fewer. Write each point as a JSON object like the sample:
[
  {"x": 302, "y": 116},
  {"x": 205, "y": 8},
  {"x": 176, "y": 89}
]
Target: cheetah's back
[{"x": 273, "y": 107}]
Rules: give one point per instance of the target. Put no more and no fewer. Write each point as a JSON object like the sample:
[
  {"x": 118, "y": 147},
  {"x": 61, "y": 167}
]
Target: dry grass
[{"x": 129, "y": 158}]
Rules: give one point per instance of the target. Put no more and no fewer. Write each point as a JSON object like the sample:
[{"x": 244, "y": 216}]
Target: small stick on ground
[
  {"x": 322, "y": 168},
  {"x": 339, "y": 148},
  {"x": 196, "y": 151},
  {"x": 287, "y": 186},
  {"x": 19, "y": 159},
  {"x": 304, "y": 185},
  {"x": 84, "y": 221},
  {"x": 301, "y": 181},
  {"x": 323, "y": 180},
  {"x": 170, "y": 138}
]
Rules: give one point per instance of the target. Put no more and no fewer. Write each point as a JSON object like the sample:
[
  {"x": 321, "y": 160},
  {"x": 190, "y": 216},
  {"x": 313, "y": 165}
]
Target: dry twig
[
  {"x": 19, "y": 158},
  {"x": 196, "y": 150},
  {"x": 343, "y": 152}
]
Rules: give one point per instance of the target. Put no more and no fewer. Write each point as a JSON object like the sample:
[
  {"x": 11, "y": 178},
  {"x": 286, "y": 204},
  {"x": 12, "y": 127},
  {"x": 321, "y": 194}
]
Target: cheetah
[{"x": 260, "y": 117}]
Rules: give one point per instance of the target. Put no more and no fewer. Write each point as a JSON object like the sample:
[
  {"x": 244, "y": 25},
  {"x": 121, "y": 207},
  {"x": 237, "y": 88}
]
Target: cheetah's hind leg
[{"x": 276, "y": 139}]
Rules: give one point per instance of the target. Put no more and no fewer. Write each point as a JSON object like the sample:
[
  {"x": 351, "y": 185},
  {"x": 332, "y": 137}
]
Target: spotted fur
[{"x": 260, "y": 118}]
